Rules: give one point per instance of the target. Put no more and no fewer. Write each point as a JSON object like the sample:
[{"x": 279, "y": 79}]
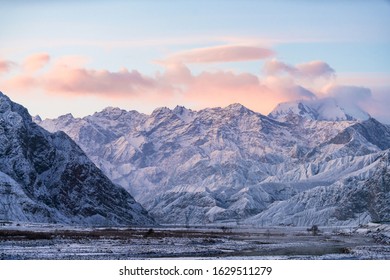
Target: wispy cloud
[
  {"x": 349, "y": 94},
  {"x": 22, "y": 82},
  {"x": 220, "y": 54},
  {"x": 6, "y": 65},
  {"x": 22, "y": 44},
  {"x": 36, "y": 62}
]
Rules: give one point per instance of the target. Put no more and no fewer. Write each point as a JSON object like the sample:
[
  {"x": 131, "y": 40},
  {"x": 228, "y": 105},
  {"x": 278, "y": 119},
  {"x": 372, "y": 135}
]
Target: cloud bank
[{"x": 178, "y": 84}]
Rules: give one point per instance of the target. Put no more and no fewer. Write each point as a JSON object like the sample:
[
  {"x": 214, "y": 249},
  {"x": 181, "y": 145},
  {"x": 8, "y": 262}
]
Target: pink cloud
[
  {"x": 220, "y": 54},
  {"x": 226, "y": 79},
  {"x": 225, "y": 88},
  {"x": 72, "y": 61},
  {"x": 176, "y": 85},
  {"x": 276, "y": 67},
  {"x": 5, "y": 66},
  {"x": 314, "y": 69},
  {"x": 67, "y": 76},
  {"x": 308, "y": 70},
  {"x": 176, "y": 73},
  {"x": 222, "y": 88},
  {"x": 89, "y": 81},
  {"x": 287, "y": 90},
  {"x": 36, "y": 62},
  {"x": 21, "y": 82}
]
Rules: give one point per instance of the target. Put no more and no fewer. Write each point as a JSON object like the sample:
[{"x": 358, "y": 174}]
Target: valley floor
[{"x": 62, "y": 242}]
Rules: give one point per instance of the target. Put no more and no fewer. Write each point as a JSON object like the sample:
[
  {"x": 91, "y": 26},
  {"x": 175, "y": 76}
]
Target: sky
[{"x": 78, "y": 57}]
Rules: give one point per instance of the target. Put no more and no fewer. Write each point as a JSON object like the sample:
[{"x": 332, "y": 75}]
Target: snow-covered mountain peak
[
  {"x": 293, "y": 108},
  {"x": 326, "y": 109},
  {"x": 180, "y": 110},
  {"x": 66, "y": 117},
  {"x": 113, "y": 118},
  {"x": 37, "y": 119},
  {"x": 110, "y": 113},
  {"x": 12, "y": 110},
  {"x": 161, "y": 111},
  {"x": 237, "y": 108},
  {"x": 183, "y": 113}
]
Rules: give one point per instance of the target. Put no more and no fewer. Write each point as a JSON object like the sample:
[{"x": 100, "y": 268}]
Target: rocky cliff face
[
  {"x": 46, "y": 177},
  {"x": 232, "y": 164}
]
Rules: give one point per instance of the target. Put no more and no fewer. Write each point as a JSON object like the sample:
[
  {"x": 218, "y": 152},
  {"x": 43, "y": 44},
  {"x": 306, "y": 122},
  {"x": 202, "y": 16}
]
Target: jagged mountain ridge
[
  {"x": 224, "y": 164},
  {"x": 46, "y": 177}
]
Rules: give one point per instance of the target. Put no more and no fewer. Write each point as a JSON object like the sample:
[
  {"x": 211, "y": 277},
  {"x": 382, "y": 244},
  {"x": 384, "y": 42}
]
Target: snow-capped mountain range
[
  {"x": 45, "y": 177},
  {"x": 306, "y": 163}
]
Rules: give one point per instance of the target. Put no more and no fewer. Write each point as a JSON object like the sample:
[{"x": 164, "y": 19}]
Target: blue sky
[{"x": 351, "y": 37}]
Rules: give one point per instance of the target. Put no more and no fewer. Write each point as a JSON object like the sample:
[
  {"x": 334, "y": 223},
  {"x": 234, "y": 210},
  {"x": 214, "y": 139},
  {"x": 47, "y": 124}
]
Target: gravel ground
[{"x": 57, "y": 242}]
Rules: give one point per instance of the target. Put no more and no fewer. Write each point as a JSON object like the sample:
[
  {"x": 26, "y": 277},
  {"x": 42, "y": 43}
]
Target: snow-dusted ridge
[{"x": 307, "y": 162}]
